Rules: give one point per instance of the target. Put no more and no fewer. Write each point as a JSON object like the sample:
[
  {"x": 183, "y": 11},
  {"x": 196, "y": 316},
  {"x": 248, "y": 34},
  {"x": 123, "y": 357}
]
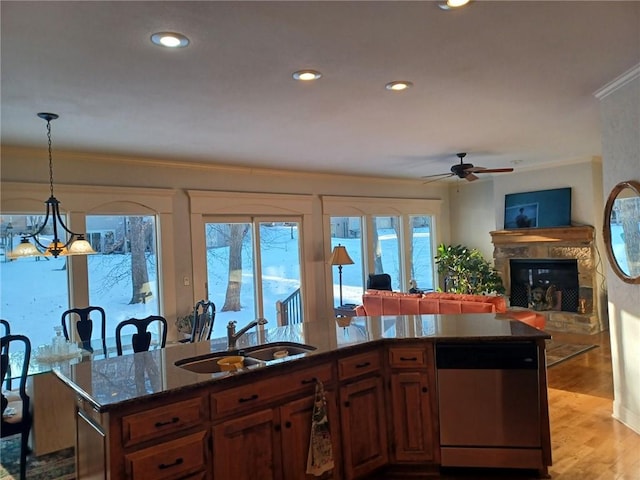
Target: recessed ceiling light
[
  {"x": 170, "y": 39},
  {"x": 307, "y": 75},
  {"x": 452, "y": 4},
  {"x": 398, "y": 86}
]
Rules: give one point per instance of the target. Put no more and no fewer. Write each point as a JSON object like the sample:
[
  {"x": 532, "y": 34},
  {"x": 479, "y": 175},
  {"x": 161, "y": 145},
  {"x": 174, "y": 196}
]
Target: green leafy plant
[{"x": 465, "y": 270}]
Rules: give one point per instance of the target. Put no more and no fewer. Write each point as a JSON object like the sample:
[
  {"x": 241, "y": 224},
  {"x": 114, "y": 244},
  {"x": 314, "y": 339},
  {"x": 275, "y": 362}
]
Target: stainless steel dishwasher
[{"x": 489, "y": 404}]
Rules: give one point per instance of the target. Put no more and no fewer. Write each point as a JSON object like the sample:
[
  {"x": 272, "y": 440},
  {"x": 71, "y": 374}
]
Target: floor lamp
[{"x": 340, "y": 257}]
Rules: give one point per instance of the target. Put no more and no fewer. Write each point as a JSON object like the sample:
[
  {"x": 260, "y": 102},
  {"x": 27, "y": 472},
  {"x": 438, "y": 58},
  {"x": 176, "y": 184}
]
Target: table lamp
[{"x": 340, "y": 257}]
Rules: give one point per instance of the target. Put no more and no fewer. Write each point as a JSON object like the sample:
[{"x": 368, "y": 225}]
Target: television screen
[{"x": 544, "y": 208}]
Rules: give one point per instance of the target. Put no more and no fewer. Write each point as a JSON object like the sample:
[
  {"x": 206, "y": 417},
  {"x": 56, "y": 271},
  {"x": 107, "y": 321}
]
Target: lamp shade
[
  {"x": 80, "y": 247},
  {"x": 24, "y": 249},
  {"x": 339, "y": 256}
]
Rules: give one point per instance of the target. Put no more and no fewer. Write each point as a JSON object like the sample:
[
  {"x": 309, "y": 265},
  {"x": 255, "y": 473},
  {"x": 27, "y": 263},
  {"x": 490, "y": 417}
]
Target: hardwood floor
[{"x": 588, "y": 444}]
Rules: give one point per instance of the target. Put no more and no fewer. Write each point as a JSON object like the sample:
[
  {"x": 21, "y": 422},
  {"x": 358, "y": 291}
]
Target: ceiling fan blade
[
  {"x": 437, "y": 175},
  {"x": 487, "y": 170},
  {"x": 470, "y": 177},
  {"x": 442, "y": 176}
]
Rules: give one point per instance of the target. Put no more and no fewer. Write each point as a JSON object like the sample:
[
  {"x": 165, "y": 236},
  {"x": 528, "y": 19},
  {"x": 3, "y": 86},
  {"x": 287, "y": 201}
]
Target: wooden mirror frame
[{"x": 606, "y": 230}]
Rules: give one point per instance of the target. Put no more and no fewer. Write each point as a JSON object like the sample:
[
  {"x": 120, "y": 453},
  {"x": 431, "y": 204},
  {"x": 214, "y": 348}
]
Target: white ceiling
[{"x": 510, "y": 82}]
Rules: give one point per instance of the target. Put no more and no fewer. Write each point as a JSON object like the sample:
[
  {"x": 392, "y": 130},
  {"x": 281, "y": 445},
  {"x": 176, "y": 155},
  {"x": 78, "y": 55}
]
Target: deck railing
[{"x": 289, "y": 310}]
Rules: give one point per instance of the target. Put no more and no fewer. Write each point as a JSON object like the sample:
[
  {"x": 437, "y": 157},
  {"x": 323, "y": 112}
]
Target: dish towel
[{"x": 320, "y": 456}]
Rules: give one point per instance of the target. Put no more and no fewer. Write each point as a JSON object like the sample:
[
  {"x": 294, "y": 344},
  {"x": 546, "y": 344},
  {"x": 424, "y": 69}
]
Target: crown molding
[{"x": 619, "y": 82}]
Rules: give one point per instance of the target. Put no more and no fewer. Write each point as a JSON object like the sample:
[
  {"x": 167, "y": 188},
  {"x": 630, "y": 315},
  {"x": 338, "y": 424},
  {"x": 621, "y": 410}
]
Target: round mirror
[{"x": 622, "y": 230}]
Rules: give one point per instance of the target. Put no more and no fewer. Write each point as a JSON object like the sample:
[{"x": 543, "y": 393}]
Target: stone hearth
[{"x": 555, "y": 243}]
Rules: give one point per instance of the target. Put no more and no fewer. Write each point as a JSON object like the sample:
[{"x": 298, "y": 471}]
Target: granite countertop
[{"x": 110, "y": 382}]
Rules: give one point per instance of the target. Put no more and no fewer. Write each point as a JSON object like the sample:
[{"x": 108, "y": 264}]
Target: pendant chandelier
[{"x": 76, "y": 245}]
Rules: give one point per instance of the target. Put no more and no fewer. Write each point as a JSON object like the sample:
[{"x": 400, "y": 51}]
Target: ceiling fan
[{"x": 465, "y": 170}]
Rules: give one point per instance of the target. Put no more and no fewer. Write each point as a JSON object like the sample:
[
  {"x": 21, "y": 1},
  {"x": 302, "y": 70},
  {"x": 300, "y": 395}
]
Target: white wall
[{"x": 620, "y": 119}]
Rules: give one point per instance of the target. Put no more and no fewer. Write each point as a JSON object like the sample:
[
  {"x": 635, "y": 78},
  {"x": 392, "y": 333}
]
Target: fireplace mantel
[{"x": 583, "y": 234}]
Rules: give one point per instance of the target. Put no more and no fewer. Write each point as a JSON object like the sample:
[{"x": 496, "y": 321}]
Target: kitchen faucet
[{"x": 232, "y": 336}]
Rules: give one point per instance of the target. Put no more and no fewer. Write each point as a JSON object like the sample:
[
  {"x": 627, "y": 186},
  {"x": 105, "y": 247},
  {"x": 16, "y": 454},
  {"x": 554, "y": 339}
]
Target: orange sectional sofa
[{"x": 383, "y": 302}]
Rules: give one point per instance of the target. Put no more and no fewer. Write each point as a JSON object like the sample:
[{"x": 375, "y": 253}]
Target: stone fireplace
[{"x": 552, "y": 271}]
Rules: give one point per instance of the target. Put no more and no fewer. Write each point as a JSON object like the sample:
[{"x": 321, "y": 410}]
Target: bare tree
[
  {"x": 237, "y": 232},
  {"x": 139, "y": 273}
]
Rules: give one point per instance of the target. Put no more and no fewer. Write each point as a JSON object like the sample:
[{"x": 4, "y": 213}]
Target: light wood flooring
[{"x": 587, "y": 443}]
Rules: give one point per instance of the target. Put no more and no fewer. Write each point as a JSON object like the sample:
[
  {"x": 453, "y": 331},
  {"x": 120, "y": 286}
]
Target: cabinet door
[
  {"x": 247, "y": 448},
  {"x": 413, "y": 429},
  {"x": 364, "y": 433},
  {"x": 296, "y": 419}
]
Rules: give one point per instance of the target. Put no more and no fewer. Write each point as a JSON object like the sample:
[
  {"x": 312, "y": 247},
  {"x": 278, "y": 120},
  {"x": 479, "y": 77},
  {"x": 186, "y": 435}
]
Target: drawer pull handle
[
  {"x": 248, "y": 399},
  {"x": 307, "y": 381},
  {"x": 408, "y": 359},
  {"x": 425, "y": 389},
  {"x": 164, "y": 424},
  {"x": 163, "y": 466},
  {"x": 362, "y": 365},
  {"x": 287, "y": 424}
]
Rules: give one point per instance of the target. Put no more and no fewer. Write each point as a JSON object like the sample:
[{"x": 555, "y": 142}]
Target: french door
[{"x": 254, "y": 270}]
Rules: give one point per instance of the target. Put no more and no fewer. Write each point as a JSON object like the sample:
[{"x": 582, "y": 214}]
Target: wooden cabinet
[
  {"x": 247, "y": 447},
  {"x": 413, "y": 418},
  {"x": 271, "y": 443},
  {"x": 362, "y": 414},
  {"x": 161, "y": 440},
  {"x": 296, "y": 433}
]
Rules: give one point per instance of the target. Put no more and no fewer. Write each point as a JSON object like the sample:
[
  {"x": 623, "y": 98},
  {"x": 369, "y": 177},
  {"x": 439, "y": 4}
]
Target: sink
[
  {"x": 209, "y": 363},
  {"x": 253, "y": 356},
  {"x": 280, "y": 349}
]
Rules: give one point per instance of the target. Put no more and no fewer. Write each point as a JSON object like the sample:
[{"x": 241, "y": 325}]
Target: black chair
[
  {"x": 204, "y": 313},
  {"x": 380, "y": 281},
  {"x": 16, "y": 414},
  {"x": 84, "y": 326},
  {"x": 7, "y": 331},
  {"x": 141, "y": 340}
]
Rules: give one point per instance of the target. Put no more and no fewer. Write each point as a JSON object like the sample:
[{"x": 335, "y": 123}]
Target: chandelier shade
[{"x": 75, "y": 245}]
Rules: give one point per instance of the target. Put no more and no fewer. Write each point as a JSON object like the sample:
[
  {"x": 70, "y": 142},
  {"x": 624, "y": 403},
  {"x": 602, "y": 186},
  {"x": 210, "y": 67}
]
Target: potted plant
[{"x": 466, "y": 271}]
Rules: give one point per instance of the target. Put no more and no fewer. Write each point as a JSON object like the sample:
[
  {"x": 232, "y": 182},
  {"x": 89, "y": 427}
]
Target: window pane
[
  {"x": 421, "y": 252},
  {"x": 387, "y": 248},
  {"x": 347, "y": 231},
  {"x": 34, "y": 290},
  {"x": 230, "y": 277},
  {"x": 280, "y": 267},
  {"x": 123, "y": 274}
]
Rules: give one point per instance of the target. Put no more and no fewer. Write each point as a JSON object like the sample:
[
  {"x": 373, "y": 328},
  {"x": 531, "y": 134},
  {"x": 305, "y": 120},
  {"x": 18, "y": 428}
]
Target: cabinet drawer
[
  {"x": 170, "y": 460},
  {"x": 247, "y": 396},
  {"x": 356, "y": 365},
  {"x": 161, "y": 421},
  {"x": 407, "y": 357}
]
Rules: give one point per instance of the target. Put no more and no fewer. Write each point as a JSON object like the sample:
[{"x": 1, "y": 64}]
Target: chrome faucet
[{"x": 232, "y": 336}]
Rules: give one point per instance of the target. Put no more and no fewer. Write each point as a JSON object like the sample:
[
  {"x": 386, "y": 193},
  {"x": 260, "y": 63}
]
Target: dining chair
[
  {"x": 204, "y": 313},
  {"x": 141, "y": 340},
  {"x": 7, "y": 331},
  {"x": 81, "y": 318},
  {"x": 16, "y": 413}
]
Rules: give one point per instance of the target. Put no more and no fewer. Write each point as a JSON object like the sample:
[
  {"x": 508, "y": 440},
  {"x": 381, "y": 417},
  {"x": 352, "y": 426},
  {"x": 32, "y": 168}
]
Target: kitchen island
[{"x": 141, "y": 416}]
